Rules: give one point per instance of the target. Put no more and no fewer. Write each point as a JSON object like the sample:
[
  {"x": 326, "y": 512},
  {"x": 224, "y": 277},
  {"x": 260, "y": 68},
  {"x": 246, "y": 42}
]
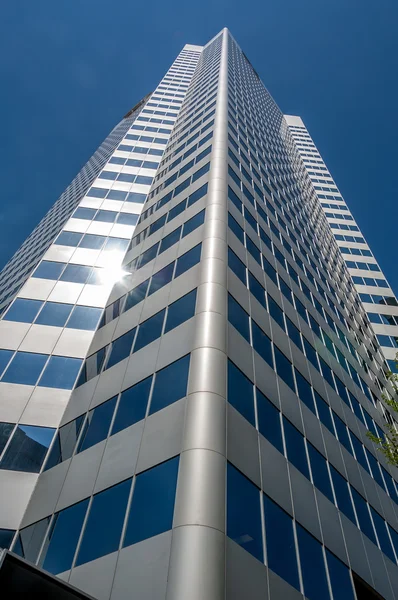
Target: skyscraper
[{"x": 188, "y": 376}]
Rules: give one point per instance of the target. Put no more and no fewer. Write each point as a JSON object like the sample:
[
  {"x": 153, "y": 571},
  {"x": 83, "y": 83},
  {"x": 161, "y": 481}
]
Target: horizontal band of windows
[
  {"x": 24, "y": 447},
  {"x": 56, "y": 314},
  {"x": 110, "y": 194},
  {"x": 70, "y": 272},
  {"x": 91, "y": 241},
  {"x": 152, "y": 284},
  {"x": 137, "y": 338},
  {"x": 44, "y": 370},
  {"x": 126, "y": 177}
]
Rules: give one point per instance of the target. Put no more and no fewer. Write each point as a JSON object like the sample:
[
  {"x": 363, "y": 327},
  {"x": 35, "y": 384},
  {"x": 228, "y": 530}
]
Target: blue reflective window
[
  {"x": 382, "y": 534},
  {"x": 84, "y": 213},
  {"x": 243, "y": 512},
  {"x": 64, "y": 443},
  {"x": 23, "y": 311},
  {"x": 149, "y": 330},
  {"x": 188, "y": 260},
  {"x": 127, "y": 219},
  {"x": 121, "y": 348},
  {"x": 237, "y": 266},
  {"x": 49, "y": 270},
  {"x": 97, "y": 424},
  {"x": 132, "y": 405},
  {"x": 320, "y": 473},
  {"x": 295, "y": 447},
  {"x": 27, "y": 448},
  {"x": 170, "y": 239},
  {"x": 304, "y": 391},
  {"x": 97, "y": 192},
  {"x": 276, "y": 312},
  {"x": 68, "y": 238},
  {"x": 161, "y": 278},
  {"x": 84, "y": 317},
  {"x": 116, "y": 195},
  {"x": 193, "y": 223},
  {"x": 152, "y": 506},
  {"x": 262, "y": 344},
  {"x": 311, "y": 354},
  {"x": 93, "y": 242},
  {"x": 54, "y": 313},
  {"x": 6, "y": 537},
  {"x": 279, "y": 537},
  {"x": 62, "y": 538},
  {"x": 105, "y": 216},
  {"x": 116, "y": 245},
  {"x": 361, "y": 508},
  {"x": 324, "y": 413},
  {"x": 340, "y": 578},
  {"x": 269, "y": 423},
  {"x": 5, "y": 356},
  {"x": 257, "y": 290},
  {"x": 136, "y": 197},
  {"x": 170, "y": 384},
  {"x": 25, "y": 368},
  {"x": 238, "y": 317},
  {"x": 236, "y": 228},
  {"x": 341, "y": 492},
  {"x": 136, "y": 295},
  {"x": 240, "y": 392},
  {"x": 342, "y": 433},
  {"x": 284, "y": 368},
  {"x": 312, "y": 566},
  {"x": 61, "y": 372},
  {"x": 104, "y": 524},
  {"x": 76, "y": 273}
]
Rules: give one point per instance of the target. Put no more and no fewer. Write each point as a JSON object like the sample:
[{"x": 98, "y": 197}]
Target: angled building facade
[{"x": 189, "y": 374}]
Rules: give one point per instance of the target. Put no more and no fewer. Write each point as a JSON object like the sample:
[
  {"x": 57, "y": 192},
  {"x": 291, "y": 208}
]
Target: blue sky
[{"x": 71, "y": 70}]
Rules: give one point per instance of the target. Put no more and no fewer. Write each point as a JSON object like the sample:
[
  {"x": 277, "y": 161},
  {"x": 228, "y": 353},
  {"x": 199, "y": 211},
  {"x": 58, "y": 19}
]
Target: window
[
  {"x": 23, "y": 311},
  {"x": 342, "y": 494},
  {"x": 84, "y": 317},
  {"x": 149, "y": 330},
  {"x": 61, "y": 372},
  {"x": 304, "y": 391},
  {"x": 97, "y": 424},
  {"x": 382, "y": 534},
  {"x": 127, "y": 219},
  {"x": 65, "y": 442},
  {"x": 269, "y": 424},
  {"x": 188, "y": 260},
  {"x": 240, "y": 392},
  {"x": 279, "y": 537},
  {"x": 161, "y": 278},
  {"x": 284, "y": 368},
  {"x": 84, "y": 213},
  {"x": 27, "y": 448},
  {"x": 237, "y": 266},
  {"x": 49, "y": 270},
  {"x": 193, "y": 223},
  {"x": 170, "y": 384},
  {"x": 104, "y": 524},
  {"x": 136, "y": 295},
  {"x": 121, "y": 348},
  {"x": 262, "y": 344},
  {"x": 30, "y": 539},
  {"x": 340, "y": 579},
  {"x": 105, "y": 216},
  {"x": 320, "y": 473},
  {"x": 238, "y": 318},
  {"x": 68, "y": 238},
  {"x": 6, "y": 537},
  {"x": 312, "y": 566},
  {"x": 93, "y": 242},
  {"x": 62, "y": 538},
  {"x": 132, "y": 405},
  {"x": 54, "y": 313},
  {"x": 295, "y": 447},
  {"x": 152, "y": 506},
  {"x": 136, "y": 197},
  {"x": 76, "y": 273},
  {"x": 25, "y": 368},
  {"x": 243, "y": 512},
  {"x": 5, "y": 356}
]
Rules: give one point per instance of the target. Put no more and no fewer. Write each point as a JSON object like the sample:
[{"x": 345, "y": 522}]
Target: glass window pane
[
  {"x": 243, "y": 512},
  {"x": 49, "y": 270},
  {"x": 76, "y": 273},
  {"x": 188, "y": 260},
  {"x": 25, "y": 368},
  {"x": 94, "y": 242},
  {"x": 284, "y": 368},
  {"x": 105, "y": 521},
  {"x": 31, "y": 539},
  {"x": 132, "y": 405},
  {"x": 116, "y": 245},
  {"x": 97, "y": 424},
  {"x": 61, "y": 372},
  {"x": 262, "y": 344},
  {"x": 161, "y": 278},
  {"x": 62, "y": 538},
  {"x": 152, "y": 507},
  {"x": 324, "y": 413},
  {"x": 382, "y": 534},
  {"x": 295, "y": 447},
  {"x": 341, "y": 492},
  {"x": 68, "y": 238},
  {"x": 136, "y": 197},
  {"x": 64, "y": 443},
  {"x": 84, "y": 213},
  {"x": 5, "y": 356},
  {"x": 6, "y": 537},
  {"x": 170, "y": 384},
  {"x": 27, "y": 449},
  {"x": 239, "y": 318},
  {"x": 23, "y": 311},
  {"x": 193, "y": 223},
  {"x": 149, "y": 330},
  {"x": 136, "y": 295},
  {"x": 84, "y": 317},
  {"x": 170, "y": 239},
  {"x": 240, "y": 392},
  {"x": 312, "y": 566},
  {"x": 269, "y": 424},
  {"x": 180, "y": 311},
  {"x": 237, "y": 266},
  {"x": 121, "y": 348},
  {"x": 6, "y": 430},
  {"x": 127, "y": 219},
  {"x": 320, "y": 473},
  {"x": 279, "y": 537},
  {"x": 54, "y": 313},
  {"x": 106, "y": 216},
  {"x": 304, "y": 391},
  {"x": 340, "y": 578}
]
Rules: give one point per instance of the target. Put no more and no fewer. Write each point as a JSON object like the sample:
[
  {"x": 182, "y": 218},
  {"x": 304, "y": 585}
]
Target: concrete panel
[
  {"x": 45, "y": 407},
  {"x": 46, "y": 494},
  {"x": 304, "y": 505},
  {"x": 16, "y": 489},
  {"x": 12, "y": 334},
  {"x": 41, "y": 338},
  {"x": 247, "y": 578},
  {"x": 330, "y": 526},
  {"x": 279, "y": 589},
  {"x": 74, "y": 342},
  {"x": 10, "y": 412},
  {"x": 95, "y": 577},
  {"x": 275, "y": 475},
  {"x": 242, "y": 445}
]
